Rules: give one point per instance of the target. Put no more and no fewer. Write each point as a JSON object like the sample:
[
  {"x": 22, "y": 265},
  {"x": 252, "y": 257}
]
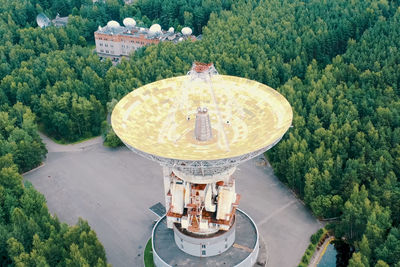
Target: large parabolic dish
[
  {"x": 200, "y": 127},
  {"x": 158, "y": 120}
]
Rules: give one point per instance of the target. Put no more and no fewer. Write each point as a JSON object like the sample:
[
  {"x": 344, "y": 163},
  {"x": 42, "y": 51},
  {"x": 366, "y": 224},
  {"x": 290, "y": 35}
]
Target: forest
[{"x": 337, "y": 62}]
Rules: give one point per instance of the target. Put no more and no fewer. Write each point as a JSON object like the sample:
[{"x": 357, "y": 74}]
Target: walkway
[{"x": 315, "y": 259}]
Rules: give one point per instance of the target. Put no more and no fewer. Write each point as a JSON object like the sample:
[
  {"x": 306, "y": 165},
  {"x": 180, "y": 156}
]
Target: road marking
[{"x": 266, "y": 219}]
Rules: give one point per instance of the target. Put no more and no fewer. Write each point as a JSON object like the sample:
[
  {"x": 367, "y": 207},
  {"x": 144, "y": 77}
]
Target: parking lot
[{"x": 113, "y": 188}]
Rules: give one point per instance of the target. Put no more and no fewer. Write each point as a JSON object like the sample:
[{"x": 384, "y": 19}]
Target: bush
[
  {"x": 315, "y": 239},
  {"x": 110, "y": 138},
  {"x": 317, "y": 236},
  {"x": 305, "y": 259}
]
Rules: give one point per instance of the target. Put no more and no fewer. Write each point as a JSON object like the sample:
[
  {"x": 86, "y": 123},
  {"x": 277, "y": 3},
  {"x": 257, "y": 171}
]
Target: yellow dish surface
[{"x": 159, "y": 118}]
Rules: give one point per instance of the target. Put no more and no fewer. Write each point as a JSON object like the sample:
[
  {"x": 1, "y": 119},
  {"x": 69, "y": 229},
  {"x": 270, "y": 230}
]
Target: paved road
[{"x": 113, "y": 188}]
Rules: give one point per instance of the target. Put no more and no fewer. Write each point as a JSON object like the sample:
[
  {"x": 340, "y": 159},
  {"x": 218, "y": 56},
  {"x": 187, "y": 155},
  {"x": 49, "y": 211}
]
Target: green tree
[
  {"x": 355, "y": 214},
  {"x": 389, "y": 251},
  {"x": 358, "y": 260}
]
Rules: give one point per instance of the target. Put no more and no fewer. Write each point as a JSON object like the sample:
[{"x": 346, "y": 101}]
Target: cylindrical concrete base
[
  {"x": 204, "y": 246},
  {"x": 242, "y": 252}
]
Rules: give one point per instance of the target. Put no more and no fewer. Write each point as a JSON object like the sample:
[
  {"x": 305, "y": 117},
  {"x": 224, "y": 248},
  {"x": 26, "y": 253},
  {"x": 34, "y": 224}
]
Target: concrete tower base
[
  {"x": 243, "y": 252},
  {"x": 204, "y": 246}
]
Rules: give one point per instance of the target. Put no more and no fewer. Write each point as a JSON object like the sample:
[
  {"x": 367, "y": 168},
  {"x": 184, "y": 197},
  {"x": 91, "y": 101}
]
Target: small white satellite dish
[
  {"x": 129, "y": 22},
  {"x": 186, "y": 31},
  {"x": 154, "y": 29},
  {"x": 113, "y": 24},
  {"x": 171, "y": 30},
  {"x": 42, "y": 21}
]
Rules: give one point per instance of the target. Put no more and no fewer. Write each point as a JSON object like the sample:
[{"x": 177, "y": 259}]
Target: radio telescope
[{"x": 200, "y": 127}]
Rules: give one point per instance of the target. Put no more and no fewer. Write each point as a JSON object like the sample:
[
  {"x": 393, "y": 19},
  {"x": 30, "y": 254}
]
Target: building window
[
  {"x": 106, "y": 51},
  {"x": 203, "y": 252},
  {"x": 101, "y": 50},
  {"x": 203, "y": 246},
  {"x": 226, "y": 245},
  {"x": 111, "y": 45},
  {"x": 106, "y": 45},
  {"x": 101, "y": 44}
]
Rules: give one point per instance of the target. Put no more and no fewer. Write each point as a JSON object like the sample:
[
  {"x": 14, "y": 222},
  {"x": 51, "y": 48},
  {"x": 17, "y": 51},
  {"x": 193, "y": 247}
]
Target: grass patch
[{"x": 148, "y": 255}]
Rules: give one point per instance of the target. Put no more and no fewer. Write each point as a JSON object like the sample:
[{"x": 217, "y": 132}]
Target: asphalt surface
[{"x": 113, "y": 188}]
